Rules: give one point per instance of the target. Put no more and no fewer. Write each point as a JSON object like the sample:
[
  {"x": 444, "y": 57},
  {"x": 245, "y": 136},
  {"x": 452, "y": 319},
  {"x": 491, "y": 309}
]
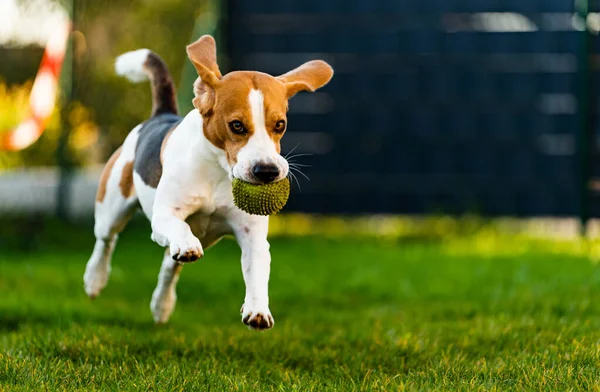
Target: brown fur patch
[
  {"x": 309, "y": 76},
  {"x": 223, "y": 99},
  {"x": 203, "y": 53},
  {"x": 232, "y": 103},
  {"x": 106, "y": 174},
  {"x": 126, "y": 183}
]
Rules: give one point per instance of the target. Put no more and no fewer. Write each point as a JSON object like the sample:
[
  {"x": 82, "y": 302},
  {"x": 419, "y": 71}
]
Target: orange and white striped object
[{"x": 43, "y": 94}]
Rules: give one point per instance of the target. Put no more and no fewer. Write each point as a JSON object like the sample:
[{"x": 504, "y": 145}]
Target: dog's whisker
[
  {"x": 297, "y": 155},
  {"x": 291, "y": 151},
  {"x": 300, "y": 171},
  {"x": 299, "y": 165},
  {"x": 294, "y": 178}
]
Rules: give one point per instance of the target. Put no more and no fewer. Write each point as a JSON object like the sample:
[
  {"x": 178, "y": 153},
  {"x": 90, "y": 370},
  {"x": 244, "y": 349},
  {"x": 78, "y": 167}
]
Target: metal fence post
[
  {"x": 63, "y": 158},
  {"x": 585, "y": 112}
]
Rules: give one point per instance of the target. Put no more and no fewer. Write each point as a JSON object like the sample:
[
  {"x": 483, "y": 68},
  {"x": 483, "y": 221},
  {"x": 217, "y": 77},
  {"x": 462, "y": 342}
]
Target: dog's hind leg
[
  {"x": 115, "y": 204},
  {"x": 164, "y": 296}
]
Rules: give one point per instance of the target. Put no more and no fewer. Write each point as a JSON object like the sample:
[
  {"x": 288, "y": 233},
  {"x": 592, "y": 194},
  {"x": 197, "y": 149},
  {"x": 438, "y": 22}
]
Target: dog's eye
[
  {"x": 280, "y": 126},
  {"x": 237, "y": 127}
]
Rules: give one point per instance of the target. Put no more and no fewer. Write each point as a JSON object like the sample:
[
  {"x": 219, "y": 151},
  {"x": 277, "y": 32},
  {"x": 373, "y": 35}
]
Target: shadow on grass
[
  {"x": 236, "y": 352},
  {"x": 99, "y": 339},
  {"x": 15, "y": 321}
]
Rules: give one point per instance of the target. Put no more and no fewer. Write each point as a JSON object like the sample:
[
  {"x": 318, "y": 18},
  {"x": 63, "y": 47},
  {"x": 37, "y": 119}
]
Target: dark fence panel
[{"x": 436, "y": 106}]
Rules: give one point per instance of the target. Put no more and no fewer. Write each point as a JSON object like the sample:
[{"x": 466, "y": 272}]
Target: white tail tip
[{"x": 131, "y": 65}]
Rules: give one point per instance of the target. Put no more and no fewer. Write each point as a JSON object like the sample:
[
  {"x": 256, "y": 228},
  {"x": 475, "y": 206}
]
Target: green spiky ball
[{"x": 267, "y": 199}]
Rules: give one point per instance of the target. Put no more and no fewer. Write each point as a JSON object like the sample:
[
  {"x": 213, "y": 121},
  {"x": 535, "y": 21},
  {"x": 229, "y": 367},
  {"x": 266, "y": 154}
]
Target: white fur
[
  {"x": 196, "y": 181},
  {"x": 97, "y": 270},
  {"x": 260, "y": 147},
  {"x": 131, "y": 65},
  {"x": 256, "y": 266},
  {"x": 257, "y": 106},
  {"x": 111, "y": 215},
  {"x": 188, "y": 165},
  {"x": 145, "y": 194},
  {"x": 165, "y": 296}
]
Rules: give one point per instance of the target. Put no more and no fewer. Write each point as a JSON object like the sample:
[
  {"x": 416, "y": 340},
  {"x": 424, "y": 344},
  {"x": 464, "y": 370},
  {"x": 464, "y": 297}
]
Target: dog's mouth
[
  {"x": 255, "y": 181},
  {"x": 247, "y": 179}
]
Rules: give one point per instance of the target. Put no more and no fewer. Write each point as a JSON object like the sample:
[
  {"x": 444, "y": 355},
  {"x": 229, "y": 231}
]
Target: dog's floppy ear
[
  {"x": 309, "y": 76},
  {"x": 203, "y": 54}
]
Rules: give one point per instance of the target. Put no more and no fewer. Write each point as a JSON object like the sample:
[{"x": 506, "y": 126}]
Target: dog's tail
[{"x": 144, "y": 64}]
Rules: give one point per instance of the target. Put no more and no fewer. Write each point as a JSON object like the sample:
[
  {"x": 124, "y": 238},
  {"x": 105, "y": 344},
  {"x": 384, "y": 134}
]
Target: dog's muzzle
[{"x": 265, "y": 173}]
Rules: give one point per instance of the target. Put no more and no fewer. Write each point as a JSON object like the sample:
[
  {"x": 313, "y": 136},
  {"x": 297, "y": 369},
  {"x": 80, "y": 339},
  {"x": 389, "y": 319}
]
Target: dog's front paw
[
  {"x": 186, "y": 249},
  {"x": 159, "y": 239},
  {"x": 257, "y": 318}
]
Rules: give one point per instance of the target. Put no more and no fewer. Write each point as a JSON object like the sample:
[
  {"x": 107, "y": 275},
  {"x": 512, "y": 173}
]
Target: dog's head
[{"x": 244, "y": 112}]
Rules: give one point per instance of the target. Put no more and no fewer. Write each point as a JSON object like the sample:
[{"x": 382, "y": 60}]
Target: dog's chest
[{"x": 210, "y": 222}]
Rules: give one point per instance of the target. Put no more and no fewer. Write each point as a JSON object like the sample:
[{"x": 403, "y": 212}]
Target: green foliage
[
  {"x": 14, "y": 101},
  {"x": 110, "y": 28},
  {"x": 352, "y": 313},
  {"x": 103, "y": 30}
]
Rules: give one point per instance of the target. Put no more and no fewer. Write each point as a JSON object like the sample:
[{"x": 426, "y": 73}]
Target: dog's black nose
[{"x": 265, "y": 173}]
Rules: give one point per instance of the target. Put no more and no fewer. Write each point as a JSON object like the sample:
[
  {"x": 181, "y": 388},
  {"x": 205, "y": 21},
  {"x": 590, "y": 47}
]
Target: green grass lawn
[{"x": 351, "y": 314}]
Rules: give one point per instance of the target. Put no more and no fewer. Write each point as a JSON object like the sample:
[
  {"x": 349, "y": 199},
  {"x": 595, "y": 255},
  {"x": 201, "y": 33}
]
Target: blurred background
[{"x": 444, "y": 107}]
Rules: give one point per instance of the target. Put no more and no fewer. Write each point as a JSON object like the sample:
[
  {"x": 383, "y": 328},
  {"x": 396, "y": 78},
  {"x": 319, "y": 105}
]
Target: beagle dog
[{"x": 178, "y": 170}]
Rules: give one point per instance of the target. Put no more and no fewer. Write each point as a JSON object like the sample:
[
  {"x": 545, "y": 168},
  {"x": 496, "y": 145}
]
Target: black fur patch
[
  {"x": 147, "y": 152},
  {"x": 163, "y": 89}
]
